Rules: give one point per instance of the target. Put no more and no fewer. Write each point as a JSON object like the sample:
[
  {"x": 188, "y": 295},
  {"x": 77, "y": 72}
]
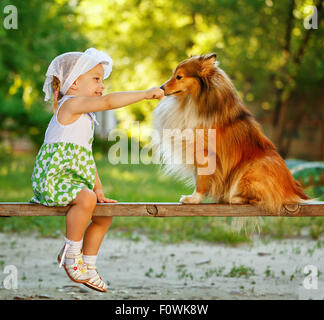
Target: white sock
[
  {"x": 74, "y": 249},
  {"x": 90, "y": 260}
]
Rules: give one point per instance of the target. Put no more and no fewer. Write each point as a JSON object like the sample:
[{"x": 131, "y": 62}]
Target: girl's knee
[
  {"x": 86, "y": 198},
  {"x": 90, "y": 200}
]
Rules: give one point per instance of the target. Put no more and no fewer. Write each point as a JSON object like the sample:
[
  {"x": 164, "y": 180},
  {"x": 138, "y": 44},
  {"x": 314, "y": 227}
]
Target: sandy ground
[{"x": 148, "y": 270}]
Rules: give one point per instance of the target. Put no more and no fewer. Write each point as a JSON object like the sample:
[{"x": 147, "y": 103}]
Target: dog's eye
[{"x": 178, "y": 77}]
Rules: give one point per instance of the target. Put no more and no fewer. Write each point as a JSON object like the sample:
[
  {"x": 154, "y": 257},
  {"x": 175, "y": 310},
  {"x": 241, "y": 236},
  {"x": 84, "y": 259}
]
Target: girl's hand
[
  {"x": 154, "y": 93},
  {"x": 101, "y": 198}
]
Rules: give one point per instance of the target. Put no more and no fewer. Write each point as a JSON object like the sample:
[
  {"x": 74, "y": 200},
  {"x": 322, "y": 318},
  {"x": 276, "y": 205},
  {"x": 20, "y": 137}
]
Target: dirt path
[{"x": 148, "y": 270}]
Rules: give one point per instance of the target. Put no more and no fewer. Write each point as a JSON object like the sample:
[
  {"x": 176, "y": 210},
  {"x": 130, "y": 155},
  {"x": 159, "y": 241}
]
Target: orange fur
[{"x": 248, "y": 169}]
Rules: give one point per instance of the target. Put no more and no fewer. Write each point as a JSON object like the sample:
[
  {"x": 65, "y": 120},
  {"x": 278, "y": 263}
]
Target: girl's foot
[
  {"x": 95, "y": 282},
  {"x": 77, "y": 270}
]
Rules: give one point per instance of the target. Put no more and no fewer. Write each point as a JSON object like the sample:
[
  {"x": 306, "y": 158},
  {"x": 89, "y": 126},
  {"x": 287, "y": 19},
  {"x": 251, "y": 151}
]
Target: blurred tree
[
  {"x": 45, "y": 30},
  {"x": 280, "y": 61},
  {"x": 274, "y": 61},
  {"x": 262, "y": 44},
  {"x": 146, "y": 39}
]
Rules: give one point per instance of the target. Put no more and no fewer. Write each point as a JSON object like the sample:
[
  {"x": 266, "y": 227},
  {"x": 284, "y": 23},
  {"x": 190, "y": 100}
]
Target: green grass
[{"x": 137, "y": 183}]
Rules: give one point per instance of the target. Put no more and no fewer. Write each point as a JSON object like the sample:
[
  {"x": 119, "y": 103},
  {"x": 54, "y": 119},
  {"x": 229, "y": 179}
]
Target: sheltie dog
[{"x": 233, "y": 161}]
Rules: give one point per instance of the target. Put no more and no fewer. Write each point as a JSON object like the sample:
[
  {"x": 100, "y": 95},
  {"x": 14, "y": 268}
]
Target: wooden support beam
[{"x": 162, "y": 209}]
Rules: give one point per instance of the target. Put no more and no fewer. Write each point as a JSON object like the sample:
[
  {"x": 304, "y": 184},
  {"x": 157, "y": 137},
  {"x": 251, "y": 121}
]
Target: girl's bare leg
[
  {"x": 95, "y": 234},
  {"x": 79, "y": 215}
]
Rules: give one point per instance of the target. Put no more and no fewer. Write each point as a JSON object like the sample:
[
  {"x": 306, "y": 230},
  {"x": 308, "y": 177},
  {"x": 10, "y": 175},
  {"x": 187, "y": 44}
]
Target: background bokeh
[{"x": 276, "y": 64}]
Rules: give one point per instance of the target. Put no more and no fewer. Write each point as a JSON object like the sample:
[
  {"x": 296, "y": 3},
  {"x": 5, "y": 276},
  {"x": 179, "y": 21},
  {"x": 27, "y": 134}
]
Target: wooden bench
[{"x": 162, "y": 209}]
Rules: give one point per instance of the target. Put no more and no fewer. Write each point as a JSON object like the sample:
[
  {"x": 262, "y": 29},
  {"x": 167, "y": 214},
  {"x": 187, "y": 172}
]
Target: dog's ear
[
  {"x": 208, "y": 65},
  {"x": 211, "y": 56}
]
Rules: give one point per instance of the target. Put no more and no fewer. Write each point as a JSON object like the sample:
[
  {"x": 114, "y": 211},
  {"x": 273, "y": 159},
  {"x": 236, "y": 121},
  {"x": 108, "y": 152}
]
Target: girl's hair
[{"x": 56, "y": 84}]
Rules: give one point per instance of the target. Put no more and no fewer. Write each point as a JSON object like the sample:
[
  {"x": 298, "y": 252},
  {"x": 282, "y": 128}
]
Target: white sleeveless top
[{"x": 80, "y": 131}]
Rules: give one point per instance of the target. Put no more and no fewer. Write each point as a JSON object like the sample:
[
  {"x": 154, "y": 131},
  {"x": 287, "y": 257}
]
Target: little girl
[{"x": 65, "y": 172}]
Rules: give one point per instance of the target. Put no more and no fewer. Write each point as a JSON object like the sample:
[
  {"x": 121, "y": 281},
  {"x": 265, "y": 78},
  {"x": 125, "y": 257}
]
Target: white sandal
[
  {"x": 96, "y": 281},
  {"x": 75, "y": 270}
]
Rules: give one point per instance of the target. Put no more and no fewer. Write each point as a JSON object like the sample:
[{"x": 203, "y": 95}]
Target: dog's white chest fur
[{"x": 175, "y": 141}]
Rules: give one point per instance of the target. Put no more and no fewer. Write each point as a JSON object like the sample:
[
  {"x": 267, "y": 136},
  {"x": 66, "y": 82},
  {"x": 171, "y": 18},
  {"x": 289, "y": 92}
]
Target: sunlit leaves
[{"x": 148, "y": 38}]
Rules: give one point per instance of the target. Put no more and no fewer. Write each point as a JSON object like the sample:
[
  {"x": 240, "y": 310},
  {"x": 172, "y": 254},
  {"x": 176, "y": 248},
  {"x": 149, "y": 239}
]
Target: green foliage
[
  {"x": 241, "y": 271},
  {"x": 45, "y": 30},
  {"x": 138, "y": 183},
  {"x": 267, "y": 57},
  {"x": 147, "y": 39},
  {"x": 267, "y": 61}
]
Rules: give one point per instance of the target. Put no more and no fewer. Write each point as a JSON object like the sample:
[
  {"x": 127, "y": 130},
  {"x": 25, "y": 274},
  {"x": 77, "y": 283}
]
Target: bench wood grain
[{"x": 163, "y": 209}]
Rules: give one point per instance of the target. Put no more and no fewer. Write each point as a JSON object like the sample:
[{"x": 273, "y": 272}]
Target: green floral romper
[{"x": 64, "y": 164}]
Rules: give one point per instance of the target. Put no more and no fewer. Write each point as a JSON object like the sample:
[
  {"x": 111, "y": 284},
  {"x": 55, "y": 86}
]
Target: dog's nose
[{"x": 162, "y": 87}]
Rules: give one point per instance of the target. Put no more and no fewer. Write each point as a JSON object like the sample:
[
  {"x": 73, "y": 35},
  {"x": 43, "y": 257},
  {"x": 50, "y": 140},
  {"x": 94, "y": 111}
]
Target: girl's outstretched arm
[{"x": 110, "y": 101}]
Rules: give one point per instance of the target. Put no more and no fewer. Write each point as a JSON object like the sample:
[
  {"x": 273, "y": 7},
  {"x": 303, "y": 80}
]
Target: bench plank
[{"x": 163, "y": 209}]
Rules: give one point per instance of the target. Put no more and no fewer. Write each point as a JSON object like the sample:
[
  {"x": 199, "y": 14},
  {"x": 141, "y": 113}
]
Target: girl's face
[{"x": 89, "y": 84}]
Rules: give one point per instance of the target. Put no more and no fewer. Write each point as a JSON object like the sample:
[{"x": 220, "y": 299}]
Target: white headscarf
[{"x": 67, "y": 67}]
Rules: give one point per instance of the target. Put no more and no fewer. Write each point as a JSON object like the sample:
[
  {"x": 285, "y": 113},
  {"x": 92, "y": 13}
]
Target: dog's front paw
[
  {"x": 238, "y": 200},
  {"x": 185, "y": 199},
  {"x": 195, "y": 198}
]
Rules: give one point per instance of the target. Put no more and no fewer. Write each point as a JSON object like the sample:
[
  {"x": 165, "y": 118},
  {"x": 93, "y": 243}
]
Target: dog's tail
[
  {"x": 252, "y": 225},
  {"x": 272, "y": 201},
  {"x": 249, "y": 225}
]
